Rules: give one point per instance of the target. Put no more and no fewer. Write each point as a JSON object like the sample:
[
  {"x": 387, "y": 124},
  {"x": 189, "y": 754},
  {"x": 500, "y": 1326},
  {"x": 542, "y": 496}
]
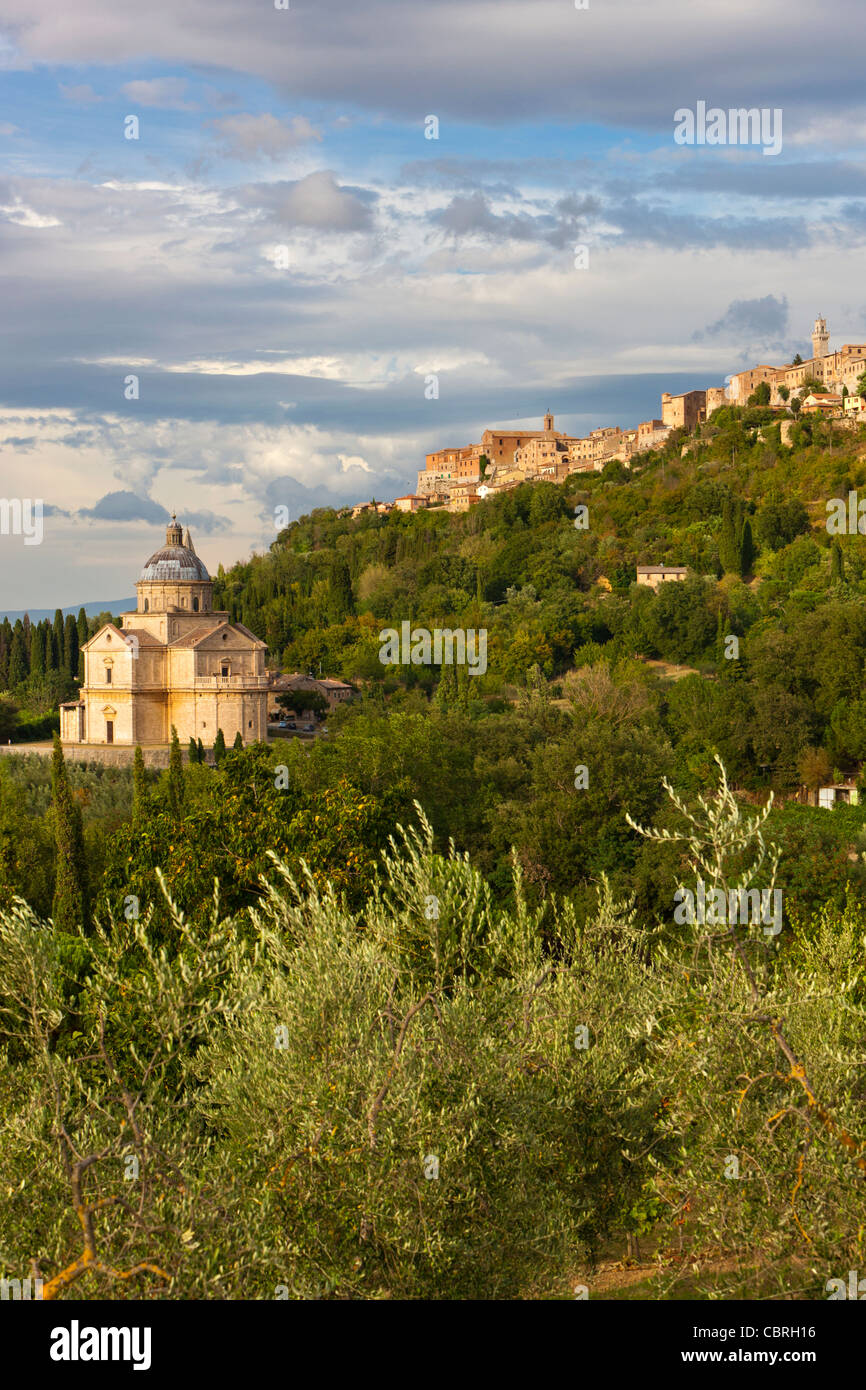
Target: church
[{"x": 174, "y": 661}]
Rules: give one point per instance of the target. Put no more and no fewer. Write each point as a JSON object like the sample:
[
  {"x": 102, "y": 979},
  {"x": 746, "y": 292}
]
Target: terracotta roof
[
  {"x": 192, "y": 639},
  {"x": 239, "y": 627},
  {"x": 144, "y": 638}
]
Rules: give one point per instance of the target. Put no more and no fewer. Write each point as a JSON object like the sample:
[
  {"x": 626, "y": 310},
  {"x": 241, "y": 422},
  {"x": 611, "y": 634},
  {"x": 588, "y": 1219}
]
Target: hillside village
[{"x": 456, "y": 478}]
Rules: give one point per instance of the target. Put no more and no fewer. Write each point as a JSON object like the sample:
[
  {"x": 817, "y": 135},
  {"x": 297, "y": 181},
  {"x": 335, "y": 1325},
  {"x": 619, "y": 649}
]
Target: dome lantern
[{"x": 174, "y": 576}]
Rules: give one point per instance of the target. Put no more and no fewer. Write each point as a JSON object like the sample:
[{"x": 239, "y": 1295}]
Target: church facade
[{"x": 175, "y": 661}]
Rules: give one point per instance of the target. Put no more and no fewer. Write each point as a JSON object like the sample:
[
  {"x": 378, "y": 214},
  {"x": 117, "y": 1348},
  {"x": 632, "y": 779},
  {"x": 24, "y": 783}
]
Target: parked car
[
  {"x": 309, "y": 728},
  {"x": 291, "y": 724},
  {"x": 282, "y": 724}
]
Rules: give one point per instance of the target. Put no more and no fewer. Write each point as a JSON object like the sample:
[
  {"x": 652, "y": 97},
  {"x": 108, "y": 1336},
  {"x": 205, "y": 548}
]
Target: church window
[
  {"x": 224, "y": 668},
  {"x": 195, "y": 604},
  {"x": 147, "y": 605}
]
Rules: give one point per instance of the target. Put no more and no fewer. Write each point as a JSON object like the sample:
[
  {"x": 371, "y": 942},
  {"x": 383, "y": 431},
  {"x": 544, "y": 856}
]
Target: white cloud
[
  {"x": 245, "y": 136},
  {"x": 24, "y": 216},
  {"x": 167, "y": 93}
]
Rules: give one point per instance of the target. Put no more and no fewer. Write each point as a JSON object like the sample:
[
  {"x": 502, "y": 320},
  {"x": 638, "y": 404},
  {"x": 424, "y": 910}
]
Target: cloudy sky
[{"x": 282, "y": 258}]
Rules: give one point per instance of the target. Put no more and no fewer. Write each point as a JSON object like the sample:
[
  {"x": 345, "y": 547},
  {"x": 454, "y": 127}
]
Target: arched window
[
  {"x": 195, "y": 604},
  {"x": 147, "y": 605}
]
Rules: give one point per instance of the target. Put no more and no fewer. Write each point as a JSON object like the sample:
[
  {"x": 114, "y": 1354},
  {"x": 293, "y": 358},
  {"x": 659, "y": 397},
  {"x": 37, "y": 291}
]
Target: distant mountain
[{"x": 109, "y": 605}]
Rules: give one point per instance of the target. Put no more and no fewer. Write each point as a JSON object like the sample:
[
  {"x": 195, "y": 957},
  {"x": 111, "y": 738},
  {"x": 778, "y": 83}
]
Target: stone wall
[{"x": 110, "y": 755}]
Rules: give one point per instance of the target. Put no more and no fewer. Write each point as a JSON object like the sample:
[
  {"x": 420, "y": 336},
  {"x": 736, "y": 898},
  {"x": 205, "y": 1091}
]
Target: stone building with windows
[
  {"x": 834, "y": 370},
  {"x": 174, "y": 661}
]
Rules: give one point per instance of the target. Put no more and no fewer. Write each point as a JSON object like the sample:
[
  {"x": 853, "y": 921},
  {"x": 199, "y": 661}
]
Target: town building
[
  {"x": 173, "y": 662},
  {"x": 335, "y": 692},
  {"x": 500, "y": 446},
  {"x": 838, "y": 794},
  {"x": 654, "y": 575},
  {"x": 833, "y": 370},
  {"x": 685, "y": 411},
  {"x": 825, "y": 403}
]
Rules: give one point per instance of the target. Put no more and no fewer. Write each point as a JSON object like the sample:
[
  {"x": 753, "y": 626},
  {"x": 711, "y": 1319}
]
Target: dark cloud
[
  {"x": 753, "y": 320},
  {"x": 125, "y": 506},
  {"x": 647, "y": 224},
  {"x": 470, "y": 215},
  {"x": 623, "y": 61},
  {"x": 317, "y": 201},
  {"x": 206, "y": 522}
]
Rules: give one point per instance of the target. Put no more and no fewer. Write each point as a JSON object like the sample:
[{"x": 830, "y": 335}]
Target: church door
[{"x": 109, "y": 731}]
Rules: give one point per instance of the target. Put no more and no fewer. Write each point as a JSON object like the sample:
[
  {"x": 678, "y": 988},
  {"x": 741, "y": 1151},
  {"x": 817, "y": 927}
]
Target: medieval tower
[{"x": 820, "y": 338}]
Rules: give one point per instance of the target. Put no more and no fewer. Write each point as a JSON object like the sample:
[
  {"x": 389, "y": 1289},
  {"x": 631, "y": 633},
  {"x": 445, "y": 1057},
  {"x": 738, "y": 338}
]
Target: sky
[{"x": 330, "y": 205}]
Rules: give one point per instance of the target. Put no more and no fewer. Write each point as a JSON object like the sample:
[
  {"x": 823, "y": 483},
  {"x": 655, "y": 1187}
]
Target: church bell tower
[{"x": 820, "y": 338}]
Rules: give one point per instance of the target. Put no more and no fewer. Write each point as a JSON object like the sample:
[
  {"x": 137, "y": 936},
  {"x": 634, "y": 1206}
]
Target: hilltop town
[{"x": 456, "y": 478}]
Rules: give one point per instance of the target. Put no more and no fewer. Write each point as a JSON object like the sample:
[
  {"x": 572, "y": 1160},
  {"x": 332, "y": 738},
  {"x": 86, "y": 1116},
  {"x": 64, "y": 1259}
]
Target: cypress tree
[
  {"x": 342, "y": 600},
  {"x": 193, "y": 750},
  {"x": 71, "y": 899},
  {"x": 57, "y": 642},
  {"x": 175, "y": 775},
  {"x": 219, "y": 747},
  {"x": 747, "y": 549},
  {"x": 837, "y": 563},
  {"x": 238, "y": 743},
  {"x": 37, "y": 653},
  {"x": 729, "y": 550},
  {"x": 201, "y": 757},
  {"x": 139, "y": 786},
  {"x": 17, "y": 657},
  {"x": 70, "y": 647},
  {"x": 446, "y": 690},
  {"x": 83, "y": 635}
]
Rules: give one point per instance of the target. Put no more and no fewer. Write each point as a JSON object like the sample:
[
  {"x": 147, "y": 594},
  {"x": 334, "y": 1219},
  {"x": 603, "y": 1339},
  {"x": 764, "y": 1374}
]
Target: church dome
[{"x": 175, "y": 561}]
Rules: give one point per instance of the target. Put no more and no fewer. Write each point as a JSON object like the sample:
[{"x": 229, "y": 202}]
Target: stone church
[{"x": 174, "y": 661}]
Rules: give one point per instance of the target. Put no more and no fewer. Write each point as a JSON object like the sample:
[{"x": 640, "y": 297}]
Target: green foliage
[
  {"x": 429, "y": 1096},
  {"x": 71, "y": 906},
  {"x": 297, "y": 701},
  {"x": 175, "y": 772},
  {"x": 139, "y": 786}
]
